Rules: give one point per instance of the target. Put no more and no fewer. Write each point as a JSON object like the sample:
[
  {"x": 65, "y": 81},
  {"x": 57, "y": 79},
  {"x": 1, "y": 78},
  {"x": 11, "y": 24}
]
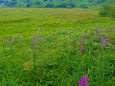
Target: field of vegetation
[{"x": 56, "y": 47}]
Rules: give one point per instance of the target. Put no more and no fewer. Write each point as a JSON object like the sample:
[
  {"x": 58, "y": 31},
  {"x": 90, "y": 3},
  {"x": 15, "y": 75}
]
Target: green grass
[{"x": 60, "y": 60}]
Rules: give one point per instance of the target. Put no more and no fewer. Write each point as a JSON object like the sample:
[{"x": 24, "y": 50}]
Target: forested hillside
[{"x": 51, "y": 3}]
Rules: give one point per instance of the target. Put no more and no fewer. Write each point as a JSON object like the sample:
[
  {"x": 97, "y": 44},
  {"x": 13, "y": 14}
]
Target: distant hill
[{"x": 51, "y": 3}]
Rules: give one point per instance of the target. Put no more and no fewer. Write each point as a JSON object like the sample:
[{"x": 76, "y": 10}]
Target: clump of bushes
[{"x": 107, "y": 10}]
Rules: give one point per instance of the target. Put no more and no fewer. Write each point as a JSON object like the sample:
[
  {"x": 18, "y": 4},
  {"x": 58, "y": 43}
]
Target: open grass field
[{"x": 56, "y": 47}]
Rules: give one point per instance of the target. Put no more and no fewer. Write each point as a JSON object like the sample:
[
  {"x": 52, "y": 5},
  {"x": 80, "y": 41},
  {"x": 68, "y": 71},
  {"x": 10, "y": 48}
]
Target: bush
[
  {"x": 50, "y": 5},
  {"x": 112, "y": 10},
  {"x": 84, "y": 6},
  {"x": 107, "y": 10}
]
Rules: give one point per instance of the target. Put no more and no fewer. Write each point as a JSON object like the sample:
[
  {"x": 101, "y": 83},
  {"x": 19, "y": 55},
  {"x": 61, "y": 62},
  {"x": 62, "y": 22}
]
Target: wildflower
[
  {"x": 83, "y": 42},
  {"x": 37, "y": 36},
  {"x": 83, "y": 81},
  {"x": 20, "y": 38},
  {"x": 26, "y": 65},
  {"x": 26, "y": 62},
  {"x": 13, "y": 40},
  {"x": 34, "y": 37},
  {"x": 80, "y": 40},
  {"x": 41, "y": 39},
  {"x": 4, "y": 40},
  {"x": 44, "y": 39},
  {"x": 8, "y": 39},
  {"x": 68, "y": 31},
  {"x": 60, "y": 30},
  {"x": 103, "y": 42},
  {"x": 20, "y": 50},
  {"x": 15, "y": 37}
]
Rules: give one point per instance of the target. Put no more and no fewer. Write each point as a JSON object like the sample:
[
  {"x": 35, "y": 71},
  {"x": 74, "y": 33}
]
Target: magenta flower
[
  {"x": 13, "y": 40},
  {"x": 8, "y": 39},
  {"x": 15, "y": 37},
  {"x": 4, "y": 40},
  {"x": 83, "y": 42},
  {"x": 20, "y": 38},
  {"x": 37, "y": 36},
  {"x": 68, "y": 31},
  {"x": 83, "y": 81},
  {"x": 60, "y": 30},
  {"x": 80, "y": 40},
  {"x": 104, "y": 41},
  {"x": 41, "y": 40},
  {"x": 34, "y": 37}
]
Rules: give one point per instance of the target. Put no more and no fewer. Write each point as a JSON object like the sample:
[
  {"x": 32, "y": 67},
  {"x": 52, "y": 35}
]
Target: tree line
[{"x": 52, "y": 3}]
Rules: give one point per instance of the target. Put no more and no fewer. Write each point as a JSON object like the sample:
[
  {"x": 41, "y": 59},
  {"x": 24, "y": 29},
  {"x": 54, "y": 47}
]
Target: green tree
[
  {"x": 108, "y": 10},
  {"x": 105, "y": 10}
]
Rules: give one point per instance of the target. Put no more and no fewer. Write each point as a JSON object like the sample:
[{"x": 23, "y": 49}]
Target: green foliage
[
  {"x": 60, "y": 60},
  {"x": 84, "y": 6},
  {"x": 51, "y": 3},
  {"x": 107, "y": 10},
  {"x": 112, "y": 10}
]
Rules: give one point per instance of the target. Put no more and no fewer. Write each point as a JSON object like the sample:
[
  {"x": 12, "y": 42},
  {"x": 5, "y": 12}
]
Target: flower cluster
[
  {"x": 42, "y": 40},
  {"x": 83, "y": 81},
  {"x": 104, "y": 41},
  {"x": 13, "y": 39},
  {"x": 35, "y": 37},
  {"x": 26, "y": 65},
  {"x": 81, "y": 41},
  {"x": 20, "y": 38}
]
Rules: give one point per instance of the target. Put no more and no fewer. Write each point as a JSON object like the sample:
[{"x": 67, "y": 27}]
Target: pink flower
[
  {"x": 37, "y": 36},
  {"x": 34, "y": 37},
  {"x": 20, "y": 38},
  {"x": 83, "y": 81}
]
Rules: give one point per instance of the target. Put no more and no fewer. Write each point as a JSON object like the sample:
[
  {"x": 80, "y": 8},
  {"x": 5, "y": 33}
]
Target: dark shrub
[
  {"x": 107, "y": 10},
  {"x": 84, "y": 6},
  {"x": 50, "y": 5}
]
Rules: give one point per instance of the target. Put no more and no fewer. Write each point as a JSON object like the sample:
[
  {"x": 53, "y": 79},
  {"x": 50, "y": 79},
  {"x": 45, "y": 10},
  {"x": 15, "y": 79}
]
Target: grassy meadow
[{"x": 56, "y": 47}]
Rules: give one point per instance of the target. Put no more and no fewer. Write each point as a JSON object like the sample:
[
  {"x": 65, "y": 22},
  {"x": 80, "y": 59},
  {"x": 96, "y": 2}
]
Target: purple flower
[
  {"x": 103, "y": 41},
  {"x": 13, "y": 40},
  {"x": 80, "y": 40},
  {"x": 68, "y": 30},
  {"x": 41, "y": 40},
  {"x": 60, "y": 30},
  {"x": 34, "y": 37},
  {"x": 83, "y": 42},
  {"x": 37, "y": 36},
  {"x": 20, "y": 38},
  {"x": 15, "y": 37},
  {"x": 8, "y": 39},
  {"x": 4, "y": 40},
  {"x": 83, "y": 81}
]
